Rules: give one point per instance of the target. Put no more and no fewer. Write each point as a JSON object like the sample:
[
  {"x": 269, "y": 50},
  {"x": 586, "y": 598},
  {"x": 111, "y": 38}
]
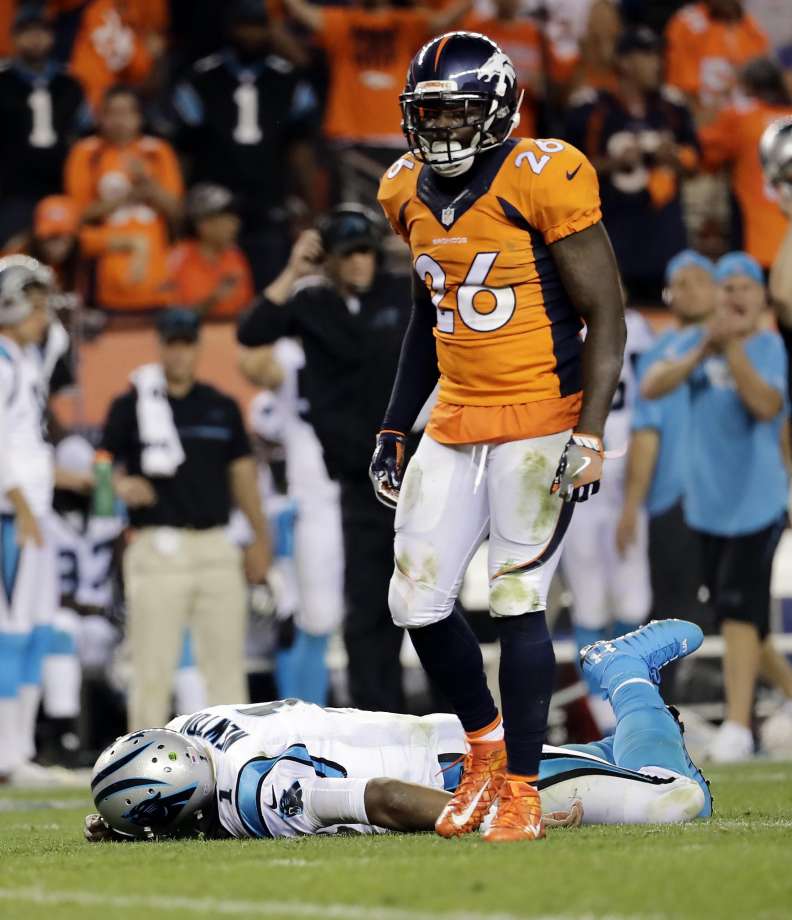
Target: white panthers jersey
[
  {"x": 85, "y": 556},
  {"x": 266, "y": 757},
  {"x": 25, "y": 457},
  {"x": 617, "y": 427},
  {"x": 261, "y": 751}
]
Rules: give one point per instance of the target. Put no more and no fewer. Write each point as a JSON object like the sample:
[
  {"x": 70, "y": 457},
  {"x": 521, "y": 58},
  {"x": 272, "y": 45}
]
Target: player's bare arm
[
  {"x": 588, "y": 271},
  {"x": 590, "y": 277}
]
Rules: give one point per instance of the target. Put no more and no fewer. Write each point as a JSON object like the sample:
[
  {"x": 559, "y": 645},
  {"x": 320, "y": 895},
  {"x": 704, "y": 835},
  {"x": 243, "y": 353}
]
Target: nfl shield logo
[{"x": 447, "y": 217}]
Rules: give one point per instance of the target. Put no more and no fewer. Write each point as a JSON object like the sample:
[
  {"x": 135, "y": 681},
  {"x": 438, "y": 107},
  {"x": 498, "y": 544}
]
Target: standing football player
[
  {"x": 510, "y": 257},
  {"x": 27, "y": 560}
]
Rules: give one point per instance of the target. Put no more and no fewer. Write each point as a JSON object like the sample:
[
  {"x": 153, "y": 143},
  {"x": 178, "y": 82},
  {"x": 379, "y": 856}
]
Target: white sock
[
  {"x": 29, "y": 699},
  {"x": 9, "y": 735},
  {"x": 336, "y": 801},
  {"x": 61, "y": 680},
  {"x": 488, "y": 734},
  {"x": 189, "y": 690}
]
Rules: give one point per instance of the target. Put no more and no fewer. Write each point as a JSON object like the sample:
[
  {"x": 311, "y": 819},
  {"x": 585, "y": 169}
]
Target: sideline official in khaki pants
[{"x": 180, "y": 569}]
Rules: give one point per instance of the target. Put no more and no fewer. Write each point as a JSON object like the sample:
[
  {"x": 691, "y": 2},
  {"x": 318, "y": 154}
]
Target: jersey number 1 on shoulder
[{"x": 473, "y": 285}]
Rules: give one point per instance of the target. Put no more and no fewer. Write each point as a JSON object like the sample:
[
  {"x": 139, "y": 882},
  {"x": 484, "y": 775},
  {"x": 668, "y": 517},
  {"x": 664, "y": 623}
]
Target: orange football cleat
[
  {"x": 483, "y": 772},
  {"x": 518, "y": 814}
]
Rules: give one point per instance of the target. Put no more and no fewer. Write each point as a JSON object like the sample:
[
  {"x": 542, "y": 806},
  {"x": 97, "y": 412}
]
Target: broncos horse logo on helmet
[{"x": 461, "y": 99}]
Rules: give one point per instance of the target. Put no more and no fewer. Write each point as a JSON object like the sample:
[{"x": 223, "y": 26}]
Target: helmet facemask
[{"x": 447, "y": 129}]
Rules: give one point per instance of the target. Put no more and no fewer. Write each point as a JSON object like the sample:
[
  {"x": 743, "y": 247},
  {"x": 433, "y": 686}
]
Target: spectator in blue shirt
[
  {"x": 655, "y": 460},
  {"x": 735, "y": 483}
]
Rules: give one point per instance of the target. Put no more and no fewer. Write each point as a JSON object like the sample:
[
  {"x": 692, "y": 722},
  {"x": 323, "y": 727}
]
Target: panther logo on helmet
[{"x": 158, "y": 811}]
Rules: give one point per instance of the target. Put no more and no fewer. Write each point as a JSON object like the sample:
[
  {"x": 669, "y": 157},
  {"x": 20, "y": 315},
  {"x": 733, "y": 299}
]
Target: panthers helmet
[
  {"x": 775, "y": 151},
  {"x": 153, "y": 783},
  {"x": 17, "y": 275},
  {"x": 461, "y": 98}
]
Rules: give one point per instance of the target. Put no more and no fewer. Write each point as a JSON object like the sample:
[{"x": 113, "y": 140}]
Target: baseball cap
[
  {"x": 686, "y": 259},
  {"x": 55, "y": 215},
  {"x": 738, "y": 263},
  {"x": 348, "y": 227},
  {"x": 31, "y": 14},
  {"x": 179, "y": 324},
  {"x": 638, "y": 39},
  {"x": 207, "y": 199}
]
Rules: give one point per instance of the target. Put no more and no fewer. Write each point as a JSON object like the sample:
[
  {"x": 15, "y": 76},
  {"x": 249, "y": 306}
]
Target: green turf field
[{"x": 737, "y": 865}]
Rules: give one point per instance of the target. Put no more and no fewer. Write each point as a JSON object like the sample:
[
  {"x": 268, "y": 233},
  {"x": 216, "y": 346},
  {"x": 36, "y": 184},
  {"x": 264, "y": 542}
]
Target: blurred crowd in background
[{"x": 163, "y": 156}]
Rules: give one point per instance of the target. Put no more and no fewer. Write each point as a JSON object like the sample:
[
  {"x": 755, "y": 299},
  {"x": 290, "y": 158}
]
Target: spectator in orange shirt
[
  {"x": 733, "y": 140},
  {"x": 522, "y": 42},
  {"x": 128, "y": 187},
  {"x": 55, "y": 242},
  {"x": 707, "y": 43},
  {"x": 210, "y": 274},
  {"x": 369, "y": 46},
  {"x": 118, "y": 41}
]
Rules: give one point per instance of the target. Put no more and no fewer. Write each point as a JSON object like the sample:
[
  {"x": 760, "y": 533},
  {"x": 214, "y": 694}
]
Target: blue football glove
[
  {"x": 387, "y": 466},
  {"x": 579, "y": 470}
]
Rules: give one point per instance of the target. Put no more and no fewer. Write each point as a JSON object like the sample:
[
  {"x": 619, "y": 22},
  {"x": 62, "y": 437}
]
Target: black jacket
[{"x": 350, "y": 360}]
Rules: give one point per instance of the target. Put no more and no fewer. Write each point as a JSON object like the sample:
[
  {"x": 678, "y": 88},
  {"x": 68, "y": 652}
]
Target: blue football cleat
[{"x": 656, "y": 644}]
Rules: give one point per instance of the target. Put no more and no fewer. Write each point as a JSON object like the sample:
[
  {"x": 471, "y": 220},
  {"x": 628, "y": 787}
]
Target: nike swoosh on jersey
[
  {"x": 571, "y": 175},
  {"x": 273, "y": 804},
  {"x": 463, "y": 818}
]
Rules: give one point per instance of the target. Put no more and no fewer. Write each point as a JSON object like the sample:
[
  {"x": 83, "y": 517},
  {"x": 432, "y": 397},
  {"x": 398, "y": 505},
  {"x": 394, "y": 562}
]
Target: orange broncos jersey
[
  {"x": 704, "y": 54},
  {"x": 508, "y": 338}
]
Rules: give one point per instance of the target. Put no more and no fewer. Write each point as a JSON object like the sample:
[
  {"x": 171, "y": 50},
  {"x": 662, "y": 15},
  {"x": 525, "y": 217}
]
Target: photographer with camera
[{"x": 350, "y": 313}]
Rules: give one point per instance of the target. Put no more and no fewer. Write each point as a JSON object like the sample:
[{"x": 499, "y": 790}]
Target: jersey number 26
[{"x": 474, "y": 284}]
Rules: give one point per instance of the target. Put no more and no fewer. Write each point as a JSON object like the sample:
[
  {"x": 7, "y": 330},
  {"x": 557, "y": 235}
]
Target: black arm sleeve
[
  {"x": 264, "y": 322},
  {"x": 417, "y": 372}
]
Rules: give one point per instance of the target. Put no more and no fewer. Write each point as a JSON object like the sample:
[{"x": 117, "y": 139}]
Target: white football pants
[
  {"x": 318, "y": 538},
  {"x": 604, "y": 585},
  {"x": 452, "y": 496}
]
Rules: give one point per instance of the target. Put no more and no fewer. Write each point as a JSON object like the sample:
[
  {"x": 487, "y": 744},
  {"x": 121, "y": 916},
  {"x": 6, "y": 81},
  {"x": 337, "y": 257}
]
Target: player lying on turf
[{"x": 288, "y": 768}]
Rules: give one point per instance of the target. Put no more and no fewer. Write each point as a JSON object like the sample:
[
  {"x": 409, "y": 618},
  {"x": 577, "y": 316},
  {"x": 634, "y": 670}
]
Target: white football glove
[{"x": 579, "y": 469}]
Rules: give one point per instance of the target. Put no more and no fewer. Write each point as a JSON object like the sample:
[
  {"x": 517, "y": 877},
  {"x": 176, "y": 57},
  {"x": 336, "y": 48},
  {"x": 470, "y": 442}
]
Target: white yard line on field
[
  {"x": 15, "y": 805},
  {"x": 265, "y": 908}
]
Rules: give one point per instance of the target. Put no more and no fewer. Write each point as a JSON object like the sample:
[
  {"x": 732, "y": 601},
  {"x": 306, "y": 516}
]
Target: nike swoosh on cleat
[
  {"x": 461, "y": 819},
  {"x": 571, "y": 175}
]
